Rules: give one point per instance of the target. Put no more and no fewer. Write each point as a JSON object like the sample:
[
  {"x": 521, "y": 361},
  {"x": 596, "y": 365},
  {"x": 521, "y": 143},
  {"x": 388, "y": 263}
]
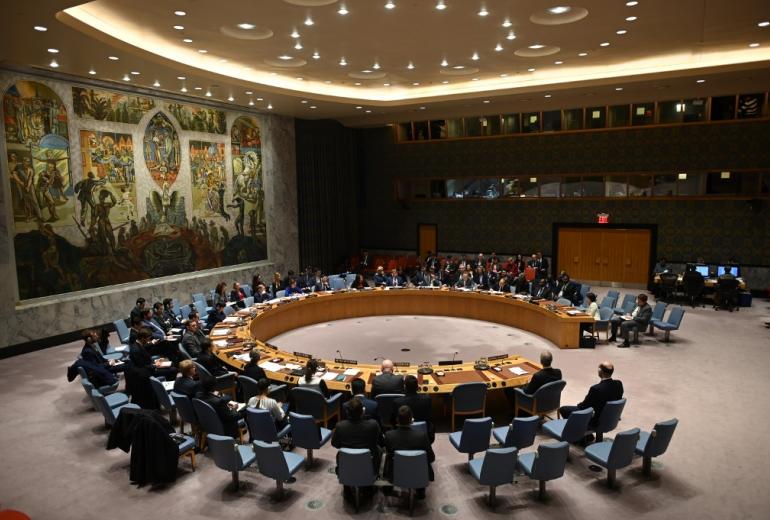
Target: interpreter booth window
[
  {"x": 664, "y": 185},
  {"x": 695, "y": 110},
  {"x": 573, "y": 119},
  {"x": 483, "y": 189},
  {"x": 619, "y": 116},
  {"x": 687, "y": 184},
  {"x": 460, "y": 188},
  {"x": 473, "y": 126},
  {"x": 438, "y": 129},
  {"x": 521, "y": 186},
  {"x": 438, "y": 189},
  {"x": 405, "y": 132},
  {"x": 455, "y": 128},
  {"x": 639, "y": 185},
  {"x": 616, "y": 186},
  {"x": 421, "y": 130},
  {"x": 550, "y": 186},
  {"x": 593, "y": 186},
  {"x": 571, "y": 186},
  {"x": 420, "y": 189},
  {"x": 491, "y": 125},
  {"x": 552, "y": 121},
  {"x": 511, "y": 124},
  {"x": 596, "y": 117},
  {"x": 750, "y": 105},
  {"x": 722, "y": 108},
  {"x": 670, "y": 112},
  {"x": 731, "y": 183},
  {"x": 642, "y": 114},
  {"x": 764, "y": 185},
  {"x": 530, "y": 122}
]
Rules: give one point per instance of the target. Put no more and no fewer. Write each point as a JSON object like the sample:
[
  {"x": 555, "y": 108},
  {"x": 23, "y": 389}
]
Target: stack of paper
[
  {"x": 231, "y": 319},
  {"x": 518, "y": 371},
  {"x": 328, "y": 376},
  {"x": 168, "y": 385},
  {"x": 220, "y": 332},
  {"x": 242, "y": 357},
  {"x": 352, "y": 372},
  {"x": 220, "y": 343},
  {"x": 270, "y": 366}
]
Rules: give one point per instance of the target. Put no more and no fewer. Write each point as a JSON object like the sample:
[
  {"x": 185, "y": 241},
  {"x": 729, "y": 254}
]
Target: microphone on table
[
  {"x": 340, "y": 357},
  {"x": 453, "y": 357}
]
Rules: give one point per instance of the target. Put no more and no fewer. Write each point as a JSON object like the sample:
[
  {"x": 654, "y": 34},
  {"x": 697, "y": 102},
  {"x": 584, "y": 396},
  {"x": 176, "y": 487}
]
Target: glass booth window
[
  {"x": 511, "y": 123},
  {"x": 616, "y": 186},
  {"x": 490, "y": 125},
  {"x": 596, "y": 117},
  {"x": 664, "y": 185},
  {"x": 521, "y": 186},
  {"x": 573, "y": 119},
  {"x": 483, "y": 189},
  {"x": 695, "y": 110},
  {"x": 438, "y": 129},
  {"x": 593, "y": 186},
  {"x": 619, "y": 116},
  {"x": 550, "y": 186},
  {"x": 530, "y": 122},
  {"x": 687, "y": 184},
  {"x": 639, "y": 185},
  {"x": 421, "y": 130},
  {"x": 455, "y": 128},
  {"x": 722, "y": 108},
  {"x": 552, "y": 121},
  {"x": 750, "y": 105},
  {"x": 642, "y": 114},
  {"x": 438, "y": 189},
  {"x": 571, "y": 186},
  {"x": 405, "y": 132},
  {"x": 671, "y": 111}
]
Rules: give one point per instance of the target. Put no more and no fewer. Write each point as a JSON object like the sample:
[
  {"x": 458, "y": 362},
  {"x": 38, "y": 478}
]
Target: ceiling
[{"x": 410, "y": 59}]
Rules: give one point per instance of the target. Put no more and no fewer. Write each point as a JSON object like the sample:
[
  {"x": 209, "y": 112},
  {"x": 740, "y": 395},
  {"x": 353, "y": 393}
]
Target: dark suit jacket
[
  {"x": 139, "y": 356},
  {"x": 644, "y": 316},
  {"x": 91, "y": 354},
  {"x": 542, "y": 292},
  {"x": 255, "y": 372},
  {"x": 394, "y": 281},
  {"x": 187, "y": 386},
  {"x": 236, "y": 296},
  {"x": 370, "y": 406},
  {"x": 261, "y": 298},
  {"x": 421, "y": 406},
  {"x": 405, "y": 438},
  {"x": 359, "y": 434},
  {"x": 212, "y": 364},
  {"x": 571, "y": 291},
  {"x": 387, "y": 383},
  {"x": 214, "y": 318},
  {"x": 380, "y": 279},
  {"x": 481, "y": 280},
  {"x": 599, "y": 394},
  {"x": 541, "y": 377},
  {"x": 192, "y": 342},
  {"x": 228, "y": 417}
]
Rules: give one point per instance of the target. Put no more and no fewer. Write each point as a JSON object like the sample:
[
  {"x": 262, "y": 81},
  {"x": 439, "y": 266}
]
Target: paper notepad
[
  {"x": 352, "y": 372},
  {"x": 168, "y": 385},
  {"x": 220, "y": 343},
  {"x": 518, "y": 371},
  {"x": 293, "y": 366},
  {"x": 328, "y": 376},
  {"x": 242, "y": 357},
  {"x": 272, "y": 367},
  {"x": 231, "y": 319},
  {"x": 220, "y": 332}
]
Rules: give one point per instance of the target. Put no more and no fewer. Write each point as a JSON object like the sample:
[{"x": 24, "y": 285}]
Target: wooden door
[
  {"x": 605, "y": 254},
  {"x": 570, "y": 241},
  {"x": 636, "y": 255},
  {"x": 427, "y": 238}
]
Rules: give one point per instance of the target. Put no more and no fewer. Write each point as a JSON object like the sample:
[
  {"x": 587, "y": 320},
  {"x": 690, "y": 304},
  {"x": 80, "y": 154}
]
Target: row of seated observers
[{"x": 391, "y": 430}]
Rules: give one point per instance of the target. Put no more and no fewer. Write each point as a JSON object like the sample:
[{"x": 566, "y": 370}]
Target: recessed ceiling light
[
  {"x": 531, "y": 69},
  {"x": 754, "y": 44},
  {"x": 445, "y": 82},
  {"x": 459, "y": 67},
  {"x": 294, "y": 34},
  {"x": 222, "y": 60},
  {"x": 618, "y": 88},
  {"x": 126, "y": 77},
  {"x": 621, "y": 31},
  {"x": 246, "y": 26},
  {"x": 632, "y": 3},
  {"x": 248, "y": 92},
  {"x": 357, "y": 83},
  {"x": 187, "y": 40},
  {"x": 284, "y": 57},
  {"x": 503, "y": 75},
  {"x": 440, "y": 5},
  {"x": 507, "y": 23},
  {"x": 560, "y": 9},
  {"x": 303, "y": 101},
  {"x": 366, "y": 71},
  {"x": 92, "y": 72},
  {"x": 298, "y": 45},
  {"x": 483, "y": 11},
  {"x": 54, "y": 64},
  {"x": 368, "y": 111},
  {"x": 327, "y": 82},
  {"x": 604, "y": 44},
  {"x": 180, "y": 13},
  {"x": 475, "y": 79},
  {"x": 342, "y": 10},
  {"x": 390, "y": 4},
  {"x": 486, "y": 101},
  {"x": 511, "y": 36},
  {"x": 359, "y": 107},
  {"x": 40, "y": 28},
  {"x": 498, "y": 47},
  {"x": 386, "y": 84},
  {"x": 181, "y": 77},
  {"x": 202, "y": 51},
  {"x": 113, "y": 58},
  {"x": 343, "y": 62},
  {"x": 416, "y": 83},
  {"x": 547, "y": 96},
  {"x": 582, "y": 54},
  {"x": 313, "y": 107},
  {"x": 630, "y": 18},
  {"x": 183, "y": 89},
  {"x": 444, "y": 62},
  {"x": 558, "y": 62},
  {"x": 198, "y": 88},
  {"x": 376, "y": 66},
  {"x": 475, "y": 56},
  {"x": 230, "y": 98},
  {"x": 259, "y": 99},
  {"x": 208, "y": 93},
  {"x": 251, "y": 102},
  {"x": 700, "y": 81},
  {"x": 53, "y": 51},
  {"x": 316, "y": 56},
  {"x": 179, "y": 27},
  {"x": 763, "y": 24},
  {"x": 269, "y": 106},
  {"x": 135, "y": 73},
  {"x": 536, "y": 46},
  {"x": 300, "y": 78},
  {"x": 422, "y": 108},
  {"x": 410, "y": 66}
]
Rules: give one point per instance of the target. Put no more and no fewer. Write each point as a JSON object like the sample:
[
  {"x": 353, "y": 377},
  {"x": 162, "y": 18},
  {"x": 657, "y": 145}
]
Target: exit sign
[{"x": 602, "y": 218}]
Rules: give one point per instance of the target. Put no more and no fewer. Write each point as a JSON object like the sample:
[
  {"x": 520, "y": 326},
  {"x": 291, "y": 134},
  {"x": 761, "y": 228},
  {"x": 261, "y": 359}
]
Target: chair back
[
  {"x": 224, "y": 450},
  {"x": 622, "y": 451},
  {"x": 88, "y": 387},
  {"x": 628, "y": 307},
  {"x": 577, "y": 425},
  {"x": 550, "y": 460},
  {"x": 610, "y": 416},
  {"x": 564, "y": 301},
  {"x": 584, "y": 289},
  {"x": 304, "y": 431},
  {"x": 548, "y": 396},
  {"x": 184, "y": 311},
  {"x": 280, "y": 294},
  {"x": 208, "y": 419},
  {"x": 469, "y": 397},
  {"x": 659, "y": 439},
  {"x": 82, "y": 372},
  {"x": 605, "y": 313},
  {"x": 693, "y": 284},
  {"x": 166, "y": 402},
  {"x": 522, "y": 431},
  {"x": 607, "y": 301},
  {"x": 248, "y": 301},
  {"x": 175, "y": 308},
  {"x": 498, "y": 467},
  {"x": 675, "y": 316},
  {"x": 201, "y": 307},
  {"x": 103, "y": 406},
  {"x": 197, "y": 297},
  {"x": 354, "y": 467},
  {"x": 122, "y": 330},
  {"x": 727, "y": 287},
  {"x": 628, "y": 299},
  {"x": 668, "y": 281},
  {"x": 658, "y": 311},
  {"x": 420, "y": 426},
  {"x": 203, "y": 372},
  {"x": 385, "y": 407},
  {"x": 614, "y": 294},
  {"x": 410, "y": 469},
  {"x": 229, "y": 310},
  {"x": 185, "y": 408},
  {"x": 270, "y": 460},
  {"x": 248, "y": 387},
  {"x": 475, "y": 436},
  {"x": 246, "y": 289},
  {"x": 184, "y": 351},
  {"x": 261, "y": 425},
  {"x": 336, "y": 283},
  {"x": 308, "y": 401}
]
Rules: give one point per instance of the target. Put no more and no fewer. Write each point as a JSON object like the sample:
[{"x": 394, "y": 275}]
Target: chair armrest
[
  {"x": 334, "y": 401},
  {"x": 276, "y": 391}
]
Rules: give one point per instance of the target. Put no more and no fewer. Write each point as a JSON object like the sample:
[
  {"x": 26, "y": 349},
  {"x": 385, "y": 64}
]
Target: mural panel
[
  {"x": 199, "y": 119},
  {"x": 207, "y": 169},
  {"x": 110, "y": 106},
  {"x": 248, "y": 192},
  {"x": 161, "y": 150}
]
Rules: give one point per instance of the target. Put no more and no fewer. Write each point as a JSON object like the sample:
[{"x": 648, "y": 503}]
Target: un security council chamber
[{"x": 377, "y": 259}]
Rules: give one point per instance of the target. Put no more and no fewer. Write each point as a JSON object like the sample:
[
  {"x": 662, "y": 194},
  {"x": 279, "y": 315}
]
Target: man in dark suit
[
  {"x": 358, "y": 389},
  {"x": 481, "y": 279},
  {"x": 209, "y": 361},
  {"x": 221, "y": 405},
  {"x": 542, "y": 270},
  {"x": 421, "y": 278},
  {"x": 380, "y": 279},
  {"x": 607, "y": 389},
  {"x": 404, "y": 437},
  {"x": 363, "y": 265},
  {"x": 191, "y": 340},
  {"x": 216, "y": 315},
  {"x": 541, "y": 289},
  {"x": 359, "y": 432},
  {"x": 93, "y": 354},
  {"x": 547, "y": 374},
  {"x": 520, "y": 285},
  {"x": 168, "y": 313},
  {"x": 568, "y": 289},
  {"x": 419, "y": 404},
  {"x": 252, "y": 369},
  {"x": 261, "y": 295},
  {"x": 387, "y": 382},
  {"x": 431, "y": 262},
  {"x": 138, "y": 310},
  {"x": 187, "y": 384},
  {"x": 394, "y": 280},
  {"x": 639, "y": 319}
]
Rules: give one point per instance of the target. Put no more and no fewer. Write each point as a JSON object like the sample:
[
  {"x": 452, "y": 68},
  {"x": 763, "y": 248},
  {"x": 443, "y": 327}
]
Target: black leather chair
[
  {"x": 668, "y": 283},
  {"x": 726, "y": 294},
  {"x": 693, "y": 285}
]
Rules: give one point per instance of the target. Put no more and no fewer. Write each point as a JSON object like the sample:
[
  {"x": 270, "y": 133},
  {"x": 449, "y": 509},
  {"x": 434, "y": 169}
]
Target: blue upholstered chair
[
  {"x": 474, "y": 436},
  {"x": 584, "y": 289},
  {"x": 109, "y": 413},
  {"x": 385, "y": 410},
  {"x": 572, "y": 429},
  {"x": 187, "y": 449},
  {"x": 113, "y": 400},
  {"x": 615, "y": 454},
  {"x": 609, "y": 418},
  {"x": 614, "y": 294},
  {"x": 246, "y": 289},
  {"x": 603, "y": 323},
  {"x": 354, "y": 469},
  {"x": 495, "y": 469},
  {"x": 410, "y": 471},
  {"x": 336, "y": 283},
  {"x": 184, "y": 311},
  {"x": 198, "y": 297},
  {"x": 222, "y": 383},
  {"x": 229, "y": 455},
  {"x": 309, "y": 401},
  {"x": 608, "y": 301},
  {"x": 564, "y": 301},
  {"x": 657, "y": 314},
  {"x": 420, "y": 425},
  {"x": 166, "y": 401},
  {"x": 175, "y": 307},
  {"x": 547, "y": 464},
  {"x": 519, "y": 434},
  {"x": 468, "y": 399},
  {"x": 262, "y": 426},
  {"x": 672, "y": 323},
  {"x": 307, "y": 434},
  {"x": 655, "y": 443},
  {"x": 185, "y": 353},
  {"x": 249, "y": 389},
  {"x": 186, "y": 412},
  {"x": 208, "y": 421},
  {"x": 122, "y": 331},
  {"x": 276, "y": 464},
  {"x": 545, "y": 400},
  {"x": 248, "y": 301},
  {"x": 280, "y": 294},
  {"x": 229, "y": 310}
]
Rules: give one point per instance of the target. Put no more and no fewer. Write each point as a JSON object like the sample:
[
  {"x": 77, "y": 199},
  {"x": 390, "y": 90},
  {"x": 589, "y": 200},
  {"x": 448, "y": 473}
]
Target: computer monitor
[
  {"x": 734, "y": 270},
  {"x": 703, "y": 270}
]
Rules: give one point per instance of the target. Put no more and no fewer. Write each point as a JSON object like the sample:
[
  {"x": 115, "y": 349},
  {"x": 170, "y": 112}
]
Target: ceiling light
[
  {"x": 202, "y": 51},
  {"x": 303, "y": 101},
  {"x": 126, "y": 77},
  {"x": 327, "y": 82},
  {"x": 475, "y": 79},
  {"x": 312, "y": 107},
  {"x": 416, "y": 83},
  {"x": 558, "y": 62},
  {"x": 113, "y": 58},
  {"x": 298, "y": 45},
  {"x": 604, "y": 44},
  {"x": 700, "y": 81},
  {"x": 53, "y": 51},
  {"x": 422, "y": 108},
  {"x": 459, "y": 67},
  {"x": 187, "y": 40},
  {"x": 367, "y": 71},
  {"x": 754, "y": 44},
  {"x": 180, "y": 13},
  {"x": 342, "y": 10},
  {"x": 259, "y": 99},
  {"x": 269, "y": 106},
  {"x": 368, "y": 111},
  {"x": 503, "y": 75},
  {"x": 763, "y": 24},
  {"x": 507, "y": 23},
  {"x": 343, "y": 62},
  {"x": 357, "y": 83},
  {"x": 536, "y": 46},
  {"x": 582, "y": 54},
  {"x": 498, "y": 47},
  {"x": 309, "y": 21},
  {"x": 92, "y": 72},
  {"x": 179, "y": 27},
  {"x": 630, "y": 18},
  {"x": 483, "y": 11},
  {"x": 316, "y": 56},
  {"x": 183, "y": 89},
  {"x": 410, "y": 66},
  {"x": 440, "y": 5},
  {"x": 561, "y": 9},
  {"x": 390, "y": 4},
  {"x": 135, "y": 72},
  {"x": 511, "y": 36},
  {"x": 547, "y": 96},
  {"x": 40, "y": 28},
  {"x": 386, "y": 84},
  {"x": 181, "y": 77},
  {"x": 359, "y": 107},
  {"x": 618, "y": 88},
  {"x": 198, "y": 88},
  {"x": 300, "y": 79},
  {"x": 531, "y": 69},
  {"x": 54, "y": 64},
  {"x": 248, "y": 92},
  {"x": 156, "y": 83},
  {"x": 445, "y": 82},
  {"x": 632, "y": 3},
  {"x": 222, "y": 60},
  {"x": 284, "y": 57},
  {"x": 294, "y": 34},
  {"x": 230, "y": 98},
  {"x": 486, "y": 101},
  {"x": 621, "y": 31},
  {"x": 444, "y": 62},
  {"x": 251, "y": 102},
  {"x": 208, "y": 93},
  {"x": 246, "y": 26},
  {"x": 475, "y": 56}
]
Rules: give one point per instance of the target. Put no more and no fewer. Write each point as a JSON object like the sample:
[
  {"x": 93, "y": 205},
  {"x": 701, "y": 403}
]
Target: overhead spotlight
[
  {"x": 445, "y": 82},
  {"x": 754, "y": 44},
  {"x": 92, "y": 72},
  {"x": 251, "y": 102},
  {"x": 156, "y": 83},
  {"x": 560, "y": 9},
  {"x": 531, "y": 69},
  {"x": 309, "y": 21},
  {"x": 547, "y": 96},
  {"x": 135, "y": 72},
  {"x": 618, "y": 88},
  {"x": 483, "y": 11},
  {"x": 582, "y": 54},
  {"x": 536, "y": 46},
  {"x": 313, "y": 107},
  {"x": 248, "y": 92},
  {"x": 259, "y": 99},
  {"x": 187, "y": 40},
  {"x": 558, "y": 62},
  {"x": 181, "y": 77},
  {"x": 503, "y": 75},
  {"x": 113, "y": 58},
  {"x": 202, "y": 51},
  {"x": 390, "y": 4},
  {"x": 342, "y": 10},
  {"x": 630, "y": 18},
  {"x": 423, "y": 108},
  {"x": 386, "y": 84},
  {"x": 632, "y": 3},
  {"x": 486, "y": 101},
  {"x": 410, "y": 66},
  {"x": 183, "y": 89},
  {"x": 294, "y": 34},
  {"x": 700, "y": 81},
  {"x": 246, "y": 26},
  {"x": 126, "y": 77},
  {"x": 208, "y": 93},
  {"x": 763, "y": 24},
  {"x": 507, "y": 23},
  {"x": 621, "y": 31},
  {"x": 475, "y": 56},
  {"x": 604, "y": 44},
  {"x": 180, "y": 13},
  {"x": 230, "y": 98},
  {"x": 304, "y": 101},
  {"x": 459, "y": 67},
  {"x": 475, "y": 79},
  {"x": 368, "y": 111},
  {"x": 444, "y": 62},
  {"x": 54, "y": 64},
  {"x": 376, "y": 66},
  {"x": 53, "y": 51},
  {"x": 440, "y": 5},
  {"x": 416, "y": 83},
  {"x": 498, "y": 47},
  {"x": 284, "y": 57},
  {"x": 511, "y": 36},
  {"x": 343, "y": 62},
  {"x": 269, "y": 106},
  {"x": 359, "y": 107},
  {"x": 316, "y": 56},
  {"x": 179, "y": 27},
  {"x": 222, "y": 60},
  {"x": 357, "y": 83},
  {"x": 298, "y": 45},
  {"x": 40, "y": 28}
]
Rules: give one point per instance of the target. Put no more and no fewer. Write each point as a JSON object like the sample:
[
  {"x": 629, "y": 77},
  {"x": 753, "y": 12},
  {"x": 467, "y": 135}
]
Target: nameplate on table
[
  {"x": 402, "y": 364},
  {"x": 495, "y": 358},
  {"x": 302, "y": 355},
  {"x": 345, "y": 361}
]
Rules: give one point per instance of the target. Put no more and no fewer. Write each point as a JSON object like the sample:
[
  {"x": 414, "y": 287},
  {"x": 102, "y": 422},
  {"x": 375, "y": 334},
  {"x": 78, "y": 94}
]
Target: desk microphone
[
  {"x": 453, "y": 357},
  {"x": 340, "y": 357}
]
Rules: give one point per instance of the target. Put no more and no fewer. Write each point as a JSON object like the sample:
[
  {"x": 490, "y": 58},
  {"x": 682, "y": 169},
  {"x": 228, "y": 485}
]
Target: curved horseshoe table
[{"x": 253, "y": 327}]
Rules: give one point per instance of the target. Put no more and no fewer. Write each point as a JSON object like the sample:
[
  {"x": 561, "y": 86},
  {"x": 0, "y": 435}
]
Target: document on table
[
  {"x": 220, "y": 332},
  {"x": 242, "y": 357},
  {"x": 293, "y": 366},
  {"x": 352, "y": 372},
  {"x": 272, "y": 367},
  {"x": 176, "y": 330},
  {"x": 231, "y": 319},
  {"x": 328, "y": 376},
  {"x": 518, "y": 371},
  {"x": 220, "y": 343},
  {"x": 574, "y": 313}
]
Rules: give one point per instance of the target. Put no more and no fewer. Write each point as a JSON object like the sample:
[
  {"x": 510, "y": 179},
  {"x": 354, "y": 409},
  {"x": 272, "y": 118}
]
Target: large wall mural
[{"x": 117, "y": 211}]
